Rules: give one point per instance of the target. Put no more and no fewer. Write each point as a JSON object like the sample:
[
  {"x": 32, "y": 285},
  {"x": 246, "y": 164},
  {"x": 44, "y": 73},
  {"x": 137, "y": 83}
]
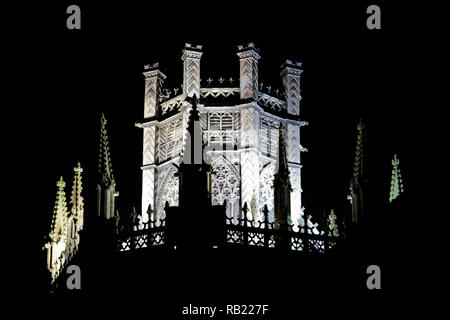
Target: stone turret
[
  {"x": 154, "y": 80},
  {"x": 290, "y": 74},
  {"x": 191, "y": 67},
  {"x": 248, "y": 62}
]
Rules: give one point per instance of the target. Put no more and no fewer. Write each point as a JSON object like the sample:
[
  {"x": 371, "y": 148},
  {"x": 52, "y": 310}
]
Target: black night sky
[{"x": 349, "y": 72}]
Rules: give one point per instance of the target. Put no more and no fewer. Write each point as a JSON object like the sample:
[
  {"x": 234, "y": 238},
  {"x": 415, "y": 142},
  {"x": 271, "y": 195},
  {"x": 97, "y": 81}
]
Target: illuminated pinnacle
[
  {"x": 358, "y": 165},
  {"x": 283, "y": 169},
  {"x": 57, "y": 229},
  {"x": 358, "y": 168},
  {"x": 104, "y": 159},
  {"x": 396, "y": 180},
  {"x": 282, "y": 184},
  {"x": 332, "y": 226},
  {"x": 358, "y": 181},
  {"x": 76, "y": 199}
]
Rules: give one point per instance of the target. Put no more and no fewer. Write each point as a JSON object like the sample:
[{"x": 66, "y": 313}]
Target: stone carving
[
  {"x": 226, "y": 186},
  {"x": 266, "y": 188},
  {"x": 168, "y": 190}
]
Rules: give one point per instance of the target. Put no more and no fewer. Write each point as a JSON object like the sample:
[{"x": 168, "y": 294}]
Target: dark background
[{"x": 69, "y": 77}]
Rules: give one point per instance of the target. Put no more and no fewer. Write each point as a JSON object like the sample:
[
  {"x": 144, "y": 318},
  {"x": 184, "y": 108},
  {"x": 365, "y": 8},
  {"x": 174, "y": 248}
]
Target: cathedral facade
[{"x": 239, "y": 120}]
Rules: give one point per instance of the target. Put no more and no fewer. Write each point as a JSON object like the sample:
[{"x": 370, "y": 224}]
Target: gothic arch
[
  {"x": 266, "y": 197},
  {"x": 226, "y": 186},
  {"x": 168, "y": 190}
]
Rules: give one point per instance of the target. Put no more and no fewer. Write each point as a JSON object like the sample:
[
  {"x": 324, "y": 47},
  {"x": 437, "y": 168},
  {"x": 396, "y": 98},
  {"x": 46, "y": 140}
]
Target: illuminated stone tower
[{"x": 240, "y": 120}]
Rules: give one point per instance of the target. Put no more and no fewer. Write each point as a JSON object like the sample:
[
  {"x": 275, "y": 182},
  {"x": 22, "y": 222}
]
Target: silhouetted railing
[
  {"x": 240, "y": 232},
  {"x": 147, "y": 234}
]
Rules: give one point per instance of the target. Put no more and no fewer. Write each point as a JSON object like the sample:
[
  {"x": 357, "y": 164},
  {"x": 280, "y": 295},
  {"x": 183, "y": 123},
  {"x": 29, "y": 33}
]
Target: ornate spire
[
  {"x": 76, "y": 199},
  {"x": 282, "y": 183},
  {"x": 104, "y": 159},
  {"x": 358, "y": 182},
  {"x": 193, "y": 135},
  {"x": 193, "y": 172},
  {"x": 332, "y": 225},
  {"x": 396, "y": 180},
  {"x": 58, "y": 228},
  {"x": 358, "y": 166}
]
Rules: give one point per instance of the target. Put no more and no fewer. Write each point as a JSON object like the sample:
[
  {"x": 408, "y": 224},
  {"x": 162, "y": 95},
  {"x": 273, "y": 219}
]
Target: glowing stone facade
[{"x": 240, "y": 120}]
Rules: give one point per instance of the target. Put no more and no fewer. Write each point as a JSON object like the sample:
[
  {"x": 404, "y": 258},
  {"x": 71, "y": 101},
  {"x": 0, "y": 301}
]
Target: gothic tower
[{"x": 239, "y": 121}]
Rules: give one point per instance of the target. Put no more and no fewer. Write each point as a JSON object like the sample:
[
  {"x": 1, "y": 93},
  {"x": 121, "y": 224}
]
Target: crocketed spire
[
  {"x": 104, "y": 159},
  {"x": 358, "y": 166},
  {"x": 282, "y": 184},
  {"x": 358, "y": 181},
  {"x": 396, "y": 180},
  {"x": 58, "y": 225},
  {"x": 76, "y": 200}
]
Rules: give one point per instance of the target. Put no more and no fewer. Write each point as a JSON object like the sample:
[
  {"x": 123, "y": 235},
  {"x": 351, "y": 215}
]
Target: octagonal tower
[{"x": 240, "y": 121}]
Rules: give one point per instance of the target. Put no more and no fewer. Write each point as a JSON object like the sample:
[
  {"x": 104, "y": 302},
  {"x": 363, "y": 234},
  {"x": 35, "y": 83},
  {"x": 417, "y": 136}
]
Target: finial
[{"x": 61, "y": 184}]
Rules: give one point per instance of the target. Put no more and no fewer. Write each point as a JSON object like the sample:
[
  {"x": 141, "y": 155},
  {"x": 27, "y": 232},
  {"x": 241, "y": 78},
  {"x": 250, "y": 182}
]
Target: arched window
[
  {"x": 266, "y": 196},
  {"x": 168, "y": 190},
  {"x": 269, "y": 138},
  {"x": 221, "y": 128},
  {"x": 170, "y": 140},
  {"x": 226, "y": 186}
]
